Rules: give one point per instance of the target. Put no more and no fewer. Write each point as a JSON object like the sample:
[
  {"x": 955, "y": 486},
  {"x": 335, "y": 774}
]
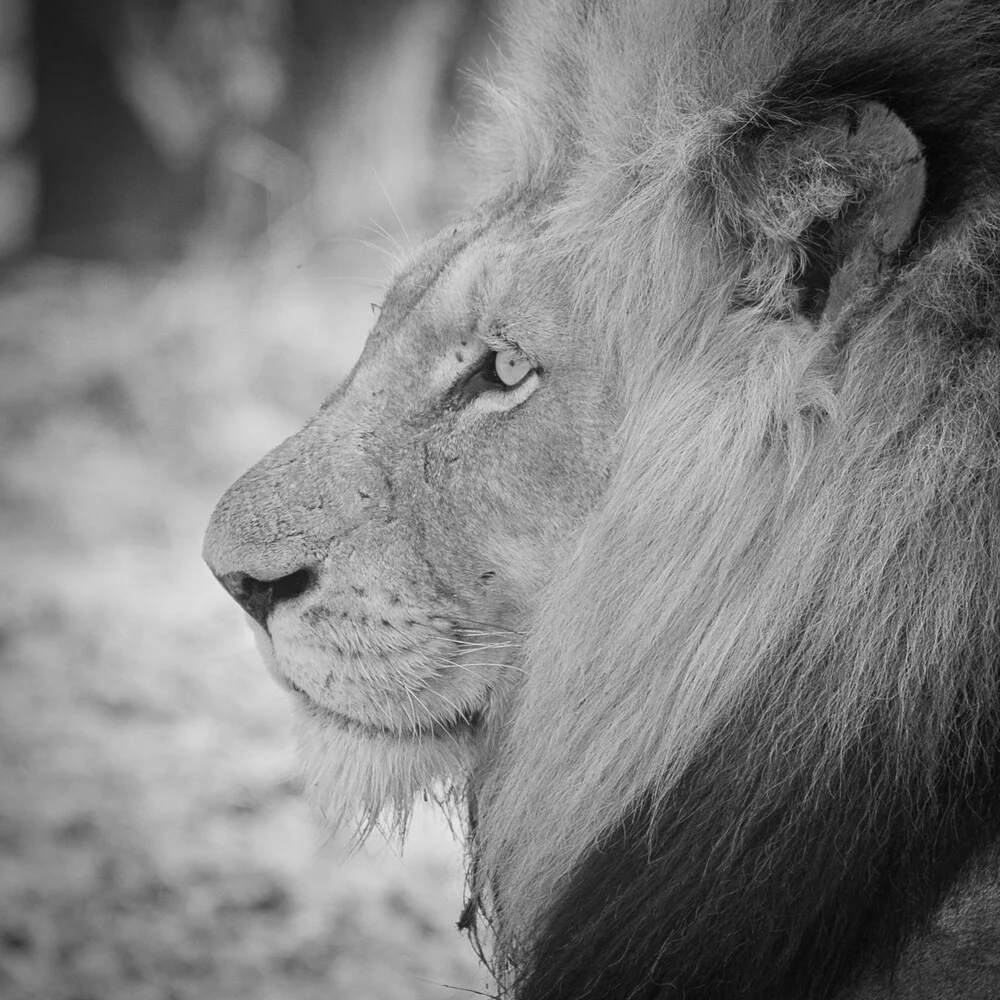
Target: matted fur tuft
[{"x": 759, "y": 738}]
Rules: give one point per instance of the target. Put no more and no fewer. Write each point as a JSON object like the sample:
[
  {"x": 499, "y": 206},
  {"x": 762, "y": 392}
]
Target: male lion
[{"x": 661, "y": 514}]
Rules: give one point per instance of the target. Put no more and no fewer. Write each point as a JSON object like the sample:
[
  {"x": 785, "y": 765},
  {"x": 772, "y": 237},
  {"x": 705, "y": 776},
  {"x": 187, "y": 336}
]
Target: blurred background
[{"x": 200, "y": 201}]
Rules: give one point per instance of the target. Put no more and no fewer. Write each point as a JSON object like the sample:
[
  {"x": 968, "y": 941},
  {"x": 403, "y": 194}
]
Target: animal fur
[{"x": 758, "y": 743}]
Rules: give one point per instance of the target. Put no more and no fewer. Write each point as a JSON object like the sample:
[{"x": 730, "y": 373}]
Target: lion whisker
[
  {"x": 402, "y": 228},
  {"x": 461, "y": 622},
  {"x": 482, "y": 664},
  {"x": 401, "y": 251}
]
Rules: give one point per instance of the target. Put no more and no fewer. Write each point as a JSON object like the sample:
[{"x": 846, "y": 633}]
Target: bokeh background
[{"x": 200, "y": 201}]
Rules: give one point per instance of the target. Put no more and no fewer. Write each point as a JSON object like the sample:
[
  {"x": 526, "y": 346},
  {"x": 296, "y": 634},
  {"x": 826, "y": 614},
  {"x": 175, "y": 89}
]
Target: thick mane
[{"x": 759, "y": 739}]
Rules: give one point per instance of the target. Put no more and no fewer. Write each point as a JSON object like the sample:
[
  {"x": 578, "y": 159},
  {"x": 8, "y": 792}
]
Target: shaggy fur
[{"x": 759, "y": 739}]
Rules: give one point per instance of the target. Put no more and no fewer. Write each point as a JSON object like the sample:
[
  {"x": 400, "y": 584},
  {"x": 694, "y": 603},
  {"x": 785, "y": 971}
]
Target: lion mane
[
  {"x": 758, "y": 742},
  {"x": 744, "y": 513}
]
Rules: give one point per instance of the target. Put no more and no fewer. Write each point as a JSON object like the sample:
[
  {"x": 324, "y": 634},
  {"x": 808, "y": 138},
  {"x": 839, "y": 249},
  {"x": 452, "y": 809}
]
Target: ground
[{"x": 153, "y": 844}]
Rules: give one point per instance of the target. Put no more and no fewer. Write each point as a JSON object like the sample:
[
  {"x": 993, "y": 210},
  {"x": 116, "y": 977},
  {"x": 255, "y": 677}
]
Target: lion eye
[
  {"x": 504, "y": 378},
  {"x": 511, "y": 367}
]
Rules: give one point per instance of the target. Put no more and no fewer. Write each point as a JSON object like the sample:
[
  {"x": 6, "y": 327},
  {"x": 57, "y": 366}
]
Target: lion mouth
[{"x": 463, "y": 724}]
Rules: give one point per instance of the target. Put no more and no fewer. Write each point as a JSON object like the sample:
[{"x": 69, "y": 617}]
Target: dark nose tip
[{"x": 258, "y": 598}]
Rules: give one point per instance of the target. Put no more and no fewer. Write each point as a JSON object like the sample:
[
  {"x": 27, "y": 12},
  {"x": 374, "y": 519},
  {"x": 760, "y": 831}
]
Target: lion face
[{"x": 388, "y": 555}]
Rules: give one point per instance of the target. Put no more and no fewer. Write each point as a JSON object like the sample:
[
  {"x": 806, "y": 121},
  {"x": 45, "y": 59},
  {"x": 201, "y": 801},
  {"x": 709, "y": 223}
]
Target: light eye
[
  {"x": 511, "y": 367},
  {"x": 495, "y": 374}
]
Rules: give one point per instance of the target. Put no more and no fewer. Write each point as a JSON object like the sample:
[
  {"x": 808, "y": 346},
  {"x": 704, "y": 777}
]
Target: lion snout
[{"x": 257, "y": 567}]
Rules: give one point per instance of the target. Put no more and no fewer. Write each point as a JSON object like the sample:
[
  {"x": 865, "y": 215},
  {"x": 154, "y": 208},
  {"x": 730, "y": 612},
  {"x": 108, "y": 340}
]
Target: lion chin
[
  {"x": 365, "y": 781},
  {"x": 363, "y": 774}
]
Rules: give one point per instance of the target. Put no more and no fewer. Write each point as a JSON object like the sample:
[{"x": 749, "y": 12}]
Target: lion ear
[{"x": 842, "y": 255}]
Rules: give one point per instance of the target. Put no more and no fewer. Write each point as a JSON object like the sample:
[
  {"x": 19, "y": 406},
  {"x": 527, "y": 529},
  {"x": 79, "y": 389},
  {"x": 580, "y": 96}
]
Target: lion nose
[{"x": 259, "y": 598}]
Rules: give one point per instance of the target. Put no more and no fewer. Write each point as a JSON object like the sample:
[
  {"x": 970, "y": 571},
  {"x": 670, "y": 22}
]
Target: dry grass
[{"x": 152, "y": 844}]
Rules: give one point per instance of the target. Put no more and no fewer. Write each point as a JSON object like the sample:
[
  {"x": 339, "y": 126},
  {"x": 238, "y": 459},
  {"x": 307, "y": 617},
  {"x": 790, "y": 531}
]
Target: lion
[{"x": 658, "y": 521}]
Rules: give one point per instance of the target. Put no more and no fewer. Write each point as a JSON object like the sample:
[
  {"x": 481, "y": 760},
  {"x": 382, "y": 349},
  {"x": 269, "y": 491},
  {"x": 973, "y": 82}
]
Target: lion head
[
  {"x": 660, "y": 513},
  {"x": 389, "y": 555}
]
